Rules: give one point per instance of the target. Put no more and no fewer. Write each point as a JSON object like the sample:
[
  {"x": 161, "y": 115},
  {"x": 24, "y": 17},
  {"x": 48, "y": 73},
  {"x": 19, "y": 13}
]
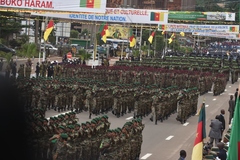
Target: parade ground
[{"x": 167, "y": 138}]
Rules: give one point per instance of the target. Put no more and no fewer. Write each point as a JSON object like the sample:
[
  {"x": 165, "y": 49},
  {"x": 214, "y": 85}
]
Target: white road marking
[
  {"x": 207, "y": 105},
  {"x": 225, "y": 90},
  {"x": 185, "y": 124},
  {"x": 210, "y": 92},
  {"x": 168, "y": 138},
  {"x": 230, "y": 94},
  {"x": 59, "y": 114},
  {"x": 146, "y": 156},
  {"x": 129, "y": 118},
  {"x": 214, "y": 99},
  {"x": 229, "y": 86}
]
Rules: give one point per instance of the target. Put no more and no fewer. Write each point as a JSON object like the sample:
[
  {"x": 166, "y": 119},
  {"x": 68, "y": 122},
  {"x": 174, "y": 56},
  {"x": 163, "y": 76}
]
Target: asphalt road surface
[{"x": 164, "y": 140}]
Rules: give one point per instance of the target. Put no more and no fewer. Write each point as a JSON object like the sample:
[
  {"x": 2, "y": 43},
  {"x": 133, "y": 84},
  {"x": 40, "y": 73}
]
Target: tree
[
  {"x": 84, "y": 32},
  {"x": 8, "y": 25},
  {"x": 7, "y": 56},
  {"x": 209, "y": 5},
  {"x": 84, "y": 55},
  {"x": 74, "y": 33},
  {"x": 28, "y": 50},
  {"x": 145, "y": 35},
  {"x": 159, "y": 42}
]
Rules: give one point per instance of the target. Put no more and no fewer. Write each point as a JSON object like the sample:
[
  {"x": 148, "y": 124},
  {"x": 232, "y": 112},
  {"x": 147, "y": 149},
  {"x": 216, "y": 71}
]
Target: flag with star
[
  {"x": 234, "y": 144},
  {"x": 90, "y": 3},
  {"x": 197, "y": 153},
  {"x": 157, "y": 16}
]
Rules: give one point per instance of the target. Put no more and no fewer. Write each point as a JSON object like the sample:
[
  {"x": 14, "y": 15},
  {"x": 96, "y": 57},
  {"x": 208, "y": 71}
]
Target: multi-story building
[{"x": 172, "y": 5}]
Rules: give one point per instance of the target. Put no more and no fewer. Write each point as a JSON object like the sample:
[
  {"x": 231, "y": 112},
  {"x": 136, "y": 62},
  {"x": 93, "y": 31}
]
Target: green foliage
[
  {"x": 74, "y": 33},
  {"x": 186, "y": 50},
  {"x": 174, "y": 45},
  {"x": 28, "y": 50},
  {"x": 84, "y": 55},
  {"x": 99, "y": 41},
  {"x": 7, "y": 56},
  {"x": 85, "y": 31},
  {"x": 136, "y": 53},
  {"x": 144, "y": 49},
  {"x": 210, "y": 6},
  {"x": 8, "y": 26},
  {"x": 159, "y": 42},
  {"x": 145, "y": 35}
]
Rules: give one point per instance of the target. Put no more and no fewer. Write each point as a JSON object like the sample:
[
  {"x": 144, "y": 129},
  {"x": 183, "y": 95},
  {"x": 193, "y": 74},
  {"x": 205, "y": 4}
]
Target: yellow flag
[{"x": 169, "y": 40}]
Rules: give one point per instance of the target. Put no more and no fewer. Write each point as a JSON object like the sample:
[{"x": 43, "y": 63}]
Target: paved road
[{"x": 164, "y": 140}]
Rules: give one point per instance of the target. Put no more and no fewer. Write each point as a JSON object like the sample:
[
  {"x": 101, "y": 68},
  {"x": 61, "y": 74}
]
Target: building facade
[{"x": 172, "y": 5}]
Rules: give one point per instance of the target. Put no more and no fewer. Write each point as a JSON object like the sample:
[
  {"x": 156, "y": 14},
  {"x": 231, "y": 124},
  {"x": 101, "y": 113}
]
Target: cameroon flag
[
  {"x": 232, "y": 29},
  {"x": 197, "y": 153},
  {"x": 234, "y": 145},
  {"x": 104, "y": 31},
  {"x": 90, "y": 3},
  {"x": 157, "y": 16},
  {"x": 150, "y": 39},
  {"x": 132, "y": 39},
  {"x": 48, "y": 30}
]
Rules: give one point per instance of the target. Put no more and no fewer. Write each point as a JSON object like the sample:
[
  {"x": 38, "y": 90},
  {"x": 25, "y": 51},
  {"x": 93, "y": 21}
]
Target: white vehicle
[
  {"x": 96, "y": 62},
  {"x": 53, "y": 50}
]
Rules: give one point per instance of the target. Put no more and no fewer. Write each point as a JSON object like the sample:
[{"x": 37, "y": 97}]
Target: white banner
[
  {"x": 221, "y": 35},
  {"x": 118, "y": 15},
  {"x": 98, "y": 6},
  {"x": 189, "y": 28}
]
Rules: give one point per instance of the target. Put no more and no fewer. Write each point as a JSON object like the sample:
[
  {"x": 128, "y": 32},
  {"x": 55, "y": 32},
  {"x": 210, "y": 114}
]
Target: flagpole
[
  {"x": 95, "y": 44},
  {"x": 44, "y": 49},
  {"x": 155, "y": 45},
  {"x": 136, "y": 35},
  {"x": 165, "y": 47},
  {"x": 140, "y": 52},
  {"x": 41, "y": 35}
]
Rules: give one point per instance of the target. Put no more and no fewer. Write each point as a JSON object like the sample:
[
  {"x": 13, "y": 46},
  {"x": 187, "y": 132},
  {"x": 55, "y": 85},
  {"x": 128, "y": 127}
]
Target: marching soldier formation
[
  {"x": 153, "y": 89},
  {"x": 63, "y": 137}
]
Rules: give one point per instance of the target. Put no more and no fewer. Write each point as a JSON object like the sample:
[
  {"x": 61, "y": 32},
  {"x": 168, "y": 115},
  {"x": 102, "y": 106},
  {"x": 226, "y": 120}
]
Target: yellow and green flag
[
  {"x": 157, "y": 16},
  {"x": 90, "y": 3},
  {"x": 234, "y": 143}
]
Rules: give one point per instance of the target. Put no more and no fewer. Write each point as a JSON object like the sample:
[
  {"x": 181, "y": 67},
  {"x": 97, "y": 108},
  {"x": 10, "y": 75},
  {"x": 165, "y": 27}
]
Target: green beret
[
  {"x": 52, "y": 118},
  {"x": 74, "y": 112},
  {"x": 93, "y": 121},
  {"x": 64, "y": 135},
  {"x": 54, "y": 141},
  {"x": 70, "y": 126},
  {"x": 62, "y": 127},
  {"x": 109, "y": 130},
  {"x": 88, "y": 122},
  {"x": 77, "y": 124},
  {"x": 45, "y": 119},
  {"x": 84, "y": 124}
]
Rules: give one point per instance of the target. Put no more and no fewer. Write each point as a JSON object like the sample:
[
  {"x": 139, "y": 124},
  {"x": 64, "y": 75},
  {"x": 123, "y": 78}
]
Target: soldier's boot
[
  {"x": 58, "y": 109},
  {"x": 122, "y": 114},
  {"x": 90, "y": 115},
  {"x": 161, "y": 119},
  {"x": 151, "y": 118},
  {"x": 156, "y": 121},
  {"x": 118, "y": 115}
]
